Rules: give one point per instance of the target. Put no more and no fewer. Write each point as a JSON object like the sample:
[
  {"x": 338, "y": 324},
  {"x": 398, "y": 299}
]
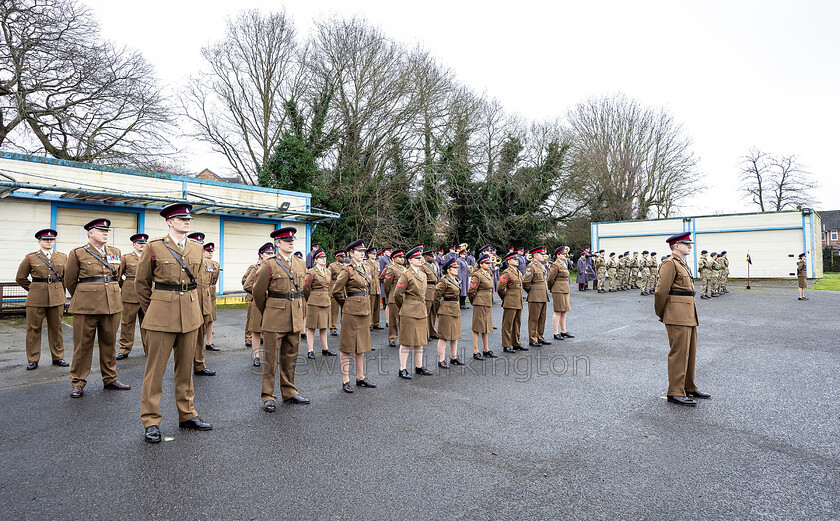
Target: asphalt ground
[{"x": 579, "y": 429}]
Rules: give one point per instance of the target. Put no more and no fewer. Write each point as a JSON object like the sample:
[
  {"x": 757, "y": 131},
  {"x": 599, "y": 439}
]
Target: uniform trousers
[
  {"x": 34, "y": 324},
  {"x": 683, "y": 341},
  {"x": 651, "y": 283},
  {"x": 633, "y": 277},
  {"x": 131, "y": 311},
  {"x": 536, "y": 320},
  {"x": 716, "y": 281},
  {"x": 643, "y": 281},
  {"x": 613, "y": 280},
  {"x": 511, "y": 323},
  {"x": 431, "y": 316},
  {"x": 334, "y": 308},
  {"x": 198, "y": 356},
  {"x": 279, "y": 348},
  {"x": 393, "y": 322},
  {"x": 161, "y": 345},
  {"x": 85, "y": 329},
  {"x": 374, "y": 310},
  {"x": 707, "y": 284},
  {"x": 601, "y": 277}
]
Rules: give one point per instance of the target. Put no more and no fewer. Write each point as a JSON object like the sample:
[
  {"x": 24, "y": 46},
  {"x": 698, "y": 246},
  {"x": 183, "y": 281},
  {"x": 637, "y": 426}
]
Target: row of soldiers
[{"x": 714, "y": 273}]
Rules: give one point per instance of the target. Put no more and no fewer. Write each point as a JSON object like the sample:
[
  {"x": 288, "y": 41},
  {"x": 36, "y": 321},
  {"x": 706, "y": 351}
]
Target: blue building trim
[
  {"x": 694, "y": 250},
  {"x": 220, "y": 287},
  {"x": 804, "y": 236},
  {"x": 814, "y": 254}
]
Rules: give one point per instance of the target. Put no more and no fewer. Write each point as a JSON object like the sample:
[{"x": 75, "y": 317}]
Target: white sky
[{"x": 735, "y": 74}]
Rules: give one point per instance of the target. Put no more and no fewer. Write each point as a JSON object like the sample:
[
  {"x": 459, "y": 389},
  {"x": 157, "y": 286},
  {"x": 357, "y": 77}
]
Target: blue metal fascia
[{"x": 221, "y": 287}]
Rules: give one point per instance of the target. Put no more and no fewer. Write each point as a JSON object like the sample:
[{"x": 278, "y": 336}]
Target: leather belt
[
  {"x": 432, "y": 282},
  {"x": 450, "y": 299},
  {"x": 681, "y": 293},
  {"x": 358, "y": 293},
  {"x": 48, "y": 280},
  {"x": 184, "y": 286},
  {"x": 287, "y": 296},
  {"x": 106, "y": 278}
]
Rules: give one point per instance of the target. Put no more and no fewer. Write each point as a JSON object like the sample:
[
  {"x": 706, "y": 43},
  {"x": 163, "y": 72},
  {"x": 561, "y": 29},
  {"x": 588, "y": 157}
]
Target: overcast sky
[{"x": 735, "y": 74}]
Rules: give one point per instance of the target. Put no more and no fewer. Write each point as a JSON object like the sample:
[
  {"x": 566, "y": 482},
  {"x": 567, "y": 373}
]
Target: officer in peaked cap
[
  {"x": 214, "y": 270},
  {"x": 204, "y": 300},
  {"x": 132, "y": 312},
  {"x": 674, "y": 305},
  {"x": 334, "y": 268}
]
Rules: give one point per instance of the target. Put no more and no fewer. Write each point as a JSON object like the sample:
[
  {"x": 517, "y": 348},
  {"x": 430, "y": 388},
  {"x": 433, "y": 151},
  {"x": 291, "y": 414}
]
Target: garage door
[
  {"x": 69, "y": 222},
  {"x": 242, "y": 240}
]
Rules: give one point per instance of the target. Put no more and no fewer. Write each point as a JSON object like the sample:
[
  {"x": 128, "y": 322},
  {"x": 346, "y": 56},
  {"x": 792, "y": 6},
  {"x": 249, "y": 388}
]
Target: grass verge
[{"x": 830, "y": 282}]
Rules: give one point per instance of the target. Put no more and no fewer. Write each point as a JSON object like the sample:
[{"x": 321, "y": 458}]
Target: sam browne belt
[
  {"x": 106, "y": 278},
  {"x": 184, "y": 286},
  {"x": 48, "y": 280},
  {"x": 358, "y": 293},
  {"x": 287, "y": 296},
  {"x": 681, "y": 293}
]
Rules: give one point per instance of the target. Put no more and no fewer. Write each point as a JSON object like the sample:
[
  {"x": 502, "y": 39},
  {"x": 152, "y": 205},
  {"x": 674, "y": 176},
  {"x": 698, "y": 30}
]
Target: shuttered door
[
  {"x": 69, "y": 222},
  {"x": 242, "y": 240}
]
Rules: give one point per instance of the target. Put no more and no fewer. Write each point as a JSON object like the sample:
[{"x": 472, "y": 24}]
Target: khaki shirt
[
  {"x": 353, "y": 279},
  {"x": 280, "y": 315},
  {"x": 129, "y": 267},
  {"x": 93, "y": 298},
  {"x": 169, "y": 311},
  {"x": 510, "y": 288},
  {"x": 536, "y": 282},
  {"x": 410, "y": 294},
  {"x": 42, "y": 294},
  {"x": 558, "y": 277},
  {"x": 480, "y": 291},
  {"x": 671, "y": 309}
]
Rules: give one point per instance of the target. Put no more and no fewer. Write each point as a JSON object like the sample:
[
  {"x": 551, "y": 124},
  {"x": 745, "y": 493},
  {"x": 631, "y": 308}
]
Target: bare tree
[
  {"x": 775, "y": 182},
  {"x": 80, "y": 98},
  {"x": 238, "y": 104}
]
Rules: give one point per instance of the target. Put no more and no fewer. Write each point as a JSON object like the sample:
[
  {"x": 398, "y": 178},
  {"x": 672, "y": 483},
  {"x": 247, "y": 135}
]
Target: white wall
[{"x": 21, "y": 219}]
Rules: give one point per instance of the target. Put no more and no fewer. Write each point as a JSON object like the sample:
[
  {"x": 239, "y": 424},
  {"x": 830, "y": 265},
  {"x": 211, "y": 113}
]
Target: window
[{"x": 834, "y": 235}]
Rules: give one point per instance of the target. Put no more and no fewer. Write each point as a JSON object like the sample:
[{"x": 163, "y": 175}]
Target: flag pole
[{"x": 748, "y": 270}]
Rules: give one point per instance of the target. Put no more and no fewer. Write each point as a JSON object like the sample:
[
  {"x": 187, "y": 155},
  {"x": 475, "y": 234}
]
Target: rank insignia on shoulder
[
  {"x": 305, "y": 282},
  {"x": 503, "y": 279},
  {"x": 473, "y": 284},
  {"x": 400, "y": 284}
]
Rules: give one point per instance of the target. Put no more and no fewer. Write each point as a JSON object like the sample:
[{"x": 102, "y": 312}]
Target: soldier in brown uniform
[
  {"x": 352, "y": 291},
  {"x": 44, "y": 298},
  {"x": 249, "y": 338},
  {"x": 558, "y": 282},
  {"x": 202, "y": 278},
  {"x": 480, "y": 293},
  {"x": 214, "y": 269},
  {"x": 510, "y": 289},
  {"x": 801, "y": 276},
  {"x": 675, "y": 307},
  {"x": 279, "y": 297},
  {"x": 432, "y": 271},
  {"x": 316, "y": 291},
  {"x": 167, "y": 288},
  {"x": 410, "y": 297},
  {"x": 389, "y": 276},
  {"x": 254, "y": 316},
  {"x": 448, "y": 289},
  {"x": 334, "y": 268},
  {"x": 535, "y": 284},
  {"x": 92, "y": 276},
  {"x": 131, "y": 304},
  {"x": 373, "y": 267}
]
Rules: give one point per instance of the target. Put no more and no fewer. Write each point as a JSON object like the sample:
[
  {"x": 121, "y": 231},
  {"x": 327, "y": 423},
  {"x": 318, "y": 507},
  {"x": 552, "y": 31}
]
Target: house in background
[
  {"x": 210, "y": 175},
  {"x": 831, "y": 229}
]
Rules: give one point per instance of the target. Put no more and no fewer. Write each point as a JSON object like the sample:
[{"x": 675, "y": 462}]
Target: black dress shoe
[
  {"x": 152, "y": 434},
  {"x": 205, "y": 372},
  {"x": 303, "y": 336},
  {"x": 378, "y": 327},
  {"x": 698, "y": 394},
  {"x": 333, "y": 333},
  {"x": 534, "y": 344},
  {"x": 558, "y": 336},
  {"x": 545, "y": 343},
  {"x": 490, "y": 354},
  {"x": 310, "y": 355},
  {"x": 422, "y": 371},
  {"x": 567, "y": 335},
  {"x": 364, "y": 382},
  {"x": 464, "y": 307},
  {"x": 248, "y": 343},
  {"x": 117, "y": 385},
  {"x": 433, "y": 337},
  {"x": 327, "y": 352},
  {"x": 455, "y": 361},
  {"x": 478, "y": 356},
  {"x": 269, "y": 406},
  {"x": 256, "y": 361},
  {"x": 508, "y": 349},
  {"x": 404, "y": 374},
  {"x": 442, "y": 364},
  {"x": 62, "y": 362},
  {"x": 297, "y": 399},
  {"x": 122, "y": 356},
  {"x": 31, "y": 365},
  {"x": 195, "y": 424},
  {"x": 682, "y": 400},
  {"x": 211, "y": 347},
  {"x": 347, "y": 387},
  {"x": 522, "y": 348},
  {"x": 392, "y": 344}
]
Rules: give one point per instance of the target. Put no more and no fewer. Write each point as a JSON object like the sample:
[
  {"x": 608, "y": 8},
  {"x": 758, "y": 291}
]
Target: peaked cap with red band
[
  {"x": 511, "y": 255},
  {"x": 180, "y": 210},
  {"x": 538, "y": 249},
  {"x": 417, "y": 251},
  {"x": 284, "y": 234},
  {"x": 209, "y": 247},
  {"x": 684, "y": 237},
  {"x": 100, "y": 224},
  {"x": 197, "y": 237},
  {"x": 46, "y": 233},
  {"x": 139, "y": 237}
]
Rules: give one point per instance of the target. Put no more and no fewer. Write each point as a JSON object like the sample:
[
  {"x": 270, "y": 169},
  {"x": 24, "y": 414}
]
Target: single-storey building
[
  {"x": 773, "y": 240},
  {"x": 39, "y": 192},
  {"x": 831, "y": 229}
]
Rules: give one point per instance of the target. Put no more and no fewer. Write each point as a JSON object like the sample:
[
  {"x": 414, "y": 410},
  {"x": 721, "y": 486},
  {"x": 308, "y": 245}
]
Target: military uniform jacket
[
  {"x": 510, "y": 288},
  {"x": 373, "y": 270},
  {"x": 410, "y": 294},
  {"x": 448, "y": 289},
  {"x": 704, "y": 265},
  {"x": 334, "y": 268},
  {"x": 214, "y": 276},
  {"x": 169, "y": 311},
  {"x": 94, "y": 298},
  {"x": 390, "y": 275},
  {"x": 42, "y": 294},
  {"x": 536, "y": 283},
  {"x": 316, "y": 287},
  {"x": 600, "y": 265},
  {"x": 353, "y": 279},
  {"x": 431, "y": 270},
  {"x": 480, "y": 291},
  {"x": 653, "y": 265},
  {"x": 718, "y": 264},
  {"x": 801, "y": 270},
  {"x": 280, "y": 315},
  {"x": 252, "y": 268},
  {"x": 203, "y": 278},
  {"x": 129, "y": 273},
  {"x": 558, "y": 277},
  {"x": 612, "y": 264},
  {"x": 671, "y": 308}
]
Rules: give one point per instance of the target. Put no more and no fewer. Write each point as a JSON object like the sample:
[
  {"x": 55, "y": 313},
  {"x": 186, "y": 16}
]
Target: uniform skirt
[
  {"x": 414, "y": 331},
  {"x": 318, "y": 317},
  {"x": 213, "y": 308},
  {"x": 561, "y": 302},
  {"x": 482, "y": 319},
  {"x": 802, "y": 281},
  {"x": 253, "y": 321},
  {"x": 449, "y": 327},
  {"x": 354, "y": 336}
]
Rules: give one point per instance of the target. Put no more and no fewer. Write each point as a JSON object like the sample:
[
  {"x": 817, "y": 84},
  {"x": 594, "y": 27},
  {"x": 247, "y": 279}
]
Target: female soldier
[
  {"x": 390, "y": 275},
  {"x": 449, "y": 313},
  {"x": 510, "y": 289},
  {"x": 480, "y": 293},
  {"x": 352, "y": 292},
  {"x": 558, "y": 283},
  {"x": 316, "y": 291},
  {"x": 410, "y": 297},
  {"x": 254, "y": 318},
  {"x": 801, "y": 274},
  {"x": 375, "y": 290}
]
